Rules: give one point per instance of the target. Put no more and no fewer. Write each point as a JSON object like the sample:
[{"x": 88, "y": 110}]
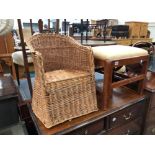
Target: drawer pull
[
  {"x": 127, "y": 117},
  {"x": 114, "y": 119},
  {"x": 86, "y": 132},
  {"x": 128, "y": 132}
]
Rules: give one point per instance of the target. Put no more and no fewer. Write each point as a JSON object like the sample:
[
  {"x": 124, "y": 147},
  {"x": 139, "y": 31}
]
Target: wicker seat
[{"x": 64, "y": 85}]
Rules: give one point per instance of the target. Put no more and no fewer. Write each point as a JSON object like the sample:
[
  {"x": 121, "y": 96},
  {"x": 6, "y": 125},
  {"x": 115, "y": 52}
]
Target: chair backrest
[
  {"x": 145, "y": 45},
  {"x": 26, "y": 33},
  {"x": 6, "y": 43},
  {"x": 151, "y": 50},
  {"x": 58, "y": 51}
]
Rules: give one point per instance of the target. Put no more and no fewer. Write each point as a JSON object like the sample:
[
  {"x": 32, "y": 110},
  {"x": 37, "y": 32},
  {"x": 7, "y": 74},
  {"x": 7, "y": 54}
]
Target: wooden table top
[
  {"x": 122, "y": 97},
  {"x": 96, "y": 43}
]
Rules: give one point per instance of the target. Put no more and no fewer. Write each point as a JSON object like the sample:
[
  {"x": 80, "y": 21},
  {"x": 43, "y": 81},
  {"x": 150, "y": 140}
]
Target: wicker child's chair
[{"x": 64, "y": 85}]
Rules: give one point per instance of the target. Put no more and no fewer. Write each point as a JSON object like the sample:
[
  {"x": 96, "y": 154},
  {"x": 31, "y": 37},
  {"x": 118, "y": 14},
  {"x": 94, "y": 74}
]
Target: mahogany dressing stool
[{"x": 110, "y": 57}]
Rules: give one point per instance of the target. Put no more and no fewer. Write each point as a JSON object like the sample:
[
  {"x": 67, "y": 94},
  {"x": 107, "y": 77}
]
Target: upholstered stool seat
[
  {"x": 117, "y": 52},
  {"x": 110, "y": 57}
]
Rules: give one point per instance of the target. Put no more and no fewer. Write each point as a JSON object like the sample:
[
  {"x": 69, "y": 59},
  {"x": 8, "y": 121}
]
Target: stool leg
[
  {"x": 141, "y": 83},
  {"x": 17, "y": 73},
  {"x": 107, "y": 89}
]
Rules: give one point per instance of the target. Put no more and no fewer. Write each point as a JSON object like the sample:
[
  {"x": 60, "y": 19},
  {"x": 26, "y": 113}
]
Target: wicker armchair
[{"x": 64, "y": 84}]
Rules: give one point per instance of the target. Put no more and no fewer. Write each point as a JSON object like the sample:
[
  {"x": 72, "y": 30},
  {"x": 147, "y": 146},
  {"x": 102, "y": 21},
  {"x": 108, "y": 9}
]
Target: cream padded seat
[
  {"x": 117, "y": 52},
  {"x": 18, "y": 57},
  {"x": 18, "y": 60}
]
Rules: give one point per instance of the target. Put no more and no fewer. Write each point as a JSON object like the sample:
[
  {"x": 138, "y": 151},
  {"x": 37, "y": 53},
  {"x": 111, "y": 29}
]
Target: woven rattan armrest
[{"x": 38, "y": 65}]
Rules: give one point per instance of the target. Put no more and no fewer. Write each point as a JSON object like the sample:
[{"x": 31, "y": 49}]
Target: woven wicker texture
[{"x": 64, "y": 84}]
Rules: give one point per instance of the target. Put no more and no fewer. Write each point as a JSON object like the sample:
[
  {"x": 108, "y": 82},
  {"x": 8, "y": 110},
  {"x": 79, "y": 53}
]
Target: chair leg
[
  {"x": 17, "y": 73},
  {"x": 1, "y": 69}
]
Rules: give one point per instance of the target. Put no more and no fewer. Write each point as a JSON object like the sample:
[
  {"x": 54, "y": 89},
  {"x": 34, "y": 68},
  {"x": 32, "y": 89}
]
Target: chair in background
[
  {"x": 17, "y": 56},
  {"x": 64, "y": 85},
  {"x": 151, "y": 51},
  {"x": 6, "y": 50}
]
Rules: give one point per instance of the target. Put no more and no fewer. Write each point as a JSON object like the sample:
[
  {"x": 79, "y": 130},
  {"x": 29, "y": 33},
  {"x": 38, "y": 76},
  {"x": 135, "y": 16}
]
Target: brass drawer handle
[
  {"x": 114, "y": 119},
  {"x": 127, "y": 117},
  {"x": 86, "y": 132},
  {"x": 128, "y": 132}
]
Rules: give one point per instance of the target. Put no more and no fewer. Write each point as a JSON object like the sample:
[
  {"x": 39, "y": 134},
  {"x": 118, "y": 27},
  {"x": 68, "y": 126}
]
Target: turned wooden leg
[
  {"x": 17, "y": 73},
  {"x": 107, "y": 88}
]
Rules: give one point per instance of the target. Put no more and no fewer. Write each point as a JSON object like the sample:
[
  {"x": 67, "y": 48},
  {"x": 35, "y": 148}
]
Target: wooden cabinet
[
  {"x": 90, "y": 129},
  {"x": 126, "y": 115},
  {"x": 8, "y": 102},
  {"x": 131, "y": 128},
  {"x": 150, "y": 123},
  {"x": 128, "y": 121},
  {"x": 143, "y": 30},
  {"x": 137, "y": 29},
  {"x": 150, "y": 91}
]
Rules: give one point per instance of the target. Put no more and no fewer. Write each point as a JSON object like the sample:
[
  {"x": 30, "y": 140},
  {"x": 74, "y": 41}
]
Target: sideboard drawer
[
  {"x": 8, "y": 111},
  {"x": 150, "y": 123},
  {"x": 127, "y": 114},
  {"x": 153, "y": 101},
  {"x": 91, "y": 129},
  {"x": 150, "y": 130},
  {"x": 131, "y": 128}
]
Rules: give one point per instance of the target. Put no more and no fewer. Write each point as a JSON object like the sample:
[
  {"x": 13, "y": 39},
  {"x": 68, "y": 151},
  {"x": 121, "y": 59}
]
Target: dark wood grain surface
[
  {"x": 150, "y": 91},
  {"x": 8, "y": 102}
]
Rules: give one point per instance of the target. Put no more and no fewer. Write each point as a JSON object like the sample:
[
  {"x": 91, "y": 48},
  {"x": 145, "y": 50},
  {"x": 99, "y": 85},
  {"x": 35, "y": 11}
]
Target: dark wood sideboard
[
  {"x": 125, "y": 115},
  {"x": 8, "y": 102},
  {"x": 150, "y": 91}
]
